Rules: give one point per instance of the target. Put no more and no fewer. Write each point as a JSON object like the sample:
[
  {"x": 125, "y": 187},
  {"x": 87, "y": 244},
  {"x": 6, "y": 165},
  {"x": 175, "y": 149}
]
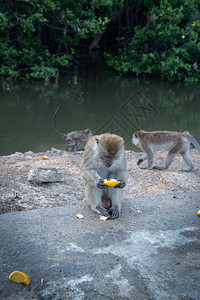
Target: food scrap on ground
[
  {"x": 44, "y": 157},
  {"x": 80, "y": 216},
  {"x": 19, "y": 277},
  {"x": 102, "y": 218}
]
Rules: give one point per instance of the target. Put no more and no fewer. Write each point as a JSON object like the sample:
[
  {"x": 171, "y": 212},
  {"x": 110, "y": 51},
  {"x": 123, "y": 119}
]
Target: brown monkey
[
  {"x": 73, "y": 138},
  {"x": 174, "y": 141},
  {"x": 152, "y": 18},
  {"x": 104, "y": 158}
]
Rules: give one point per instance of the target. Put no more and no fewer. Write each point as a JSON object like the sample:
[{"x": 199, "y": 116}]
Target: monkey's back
[
  {"x": 76, "y": 136},
  {"x": 161, "y": 139}
]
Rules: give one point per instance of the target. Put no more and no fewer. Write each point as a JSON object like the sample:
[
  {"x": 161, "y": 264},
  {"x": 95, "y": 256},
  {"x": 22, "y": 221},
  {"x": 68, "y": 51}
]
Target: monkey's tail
[
  {"x": 54, "y": 122},
  {"x": 193, "y": 141}
]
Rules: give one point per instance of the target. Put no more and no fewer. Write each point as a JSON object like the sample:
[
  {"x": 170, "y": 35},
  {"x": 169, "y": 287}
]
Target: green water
[{"x": 92, "y": 97}]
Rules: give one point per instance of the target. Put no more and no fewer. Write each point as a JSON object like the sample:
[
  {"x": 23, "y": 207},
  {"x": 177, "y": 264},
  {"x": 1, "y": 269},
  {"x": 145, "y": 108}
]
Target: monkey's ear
[{"x": 97, "y": 140}]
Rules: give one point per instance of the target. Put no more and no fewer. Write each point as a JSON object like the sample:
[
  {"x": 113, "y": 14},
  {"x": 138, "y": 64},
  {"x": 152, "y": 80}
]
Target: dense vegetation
[
  {"x": 39, "y": 38},
  {"x": 168, "y": 44}
]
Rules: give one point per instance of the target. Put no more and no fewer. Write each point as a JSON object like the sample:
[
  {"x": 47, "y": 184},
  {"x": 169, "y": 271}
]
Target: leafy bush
[
  {"x": 168, "y": 46},
  {"x": 38, "y": 37}
]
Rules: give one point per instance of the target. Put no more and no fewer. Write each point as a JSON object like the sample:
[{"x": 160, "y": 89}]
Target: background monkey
[
  {"x": 175, "y": 142},
  {"x": 104, "y": 158},
  {"x": 73, "y": 138}
]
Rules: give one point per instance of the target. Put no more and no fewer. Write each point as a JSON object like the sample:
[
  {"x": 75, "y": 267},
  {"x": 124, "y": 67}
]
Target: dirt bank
[{"x": 17, "y": 193}]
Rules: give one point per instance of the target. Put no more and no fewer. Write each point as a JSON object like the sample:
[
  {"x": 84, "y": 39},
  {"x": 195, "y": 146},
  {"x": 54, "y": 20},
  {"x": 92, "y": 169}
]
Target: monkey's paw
[
  {"x": 114, "y": 212},
  {"x": 102, "y": 211},
  {"x": 101, "y": 185},
  {"x": 187, "y": 170},
  {"x": 139, "y": 161},
  {"x": 160, "y": 168},
  {"x": 120, "y": 185}
]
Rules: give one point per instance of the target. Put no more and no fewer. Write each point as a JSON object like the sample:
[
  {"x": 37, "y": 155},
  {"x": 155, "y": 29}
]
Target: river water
[{"x": 92, "y": 96}]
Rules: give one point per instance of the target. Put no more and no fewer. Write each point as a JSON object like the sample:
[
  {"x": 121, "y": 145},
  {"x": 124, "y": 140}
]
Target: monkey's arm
[
  {"x": 90, "y": 176},
  {"x": 150, "y": 155},
  {"x": 121, "y": 175}
]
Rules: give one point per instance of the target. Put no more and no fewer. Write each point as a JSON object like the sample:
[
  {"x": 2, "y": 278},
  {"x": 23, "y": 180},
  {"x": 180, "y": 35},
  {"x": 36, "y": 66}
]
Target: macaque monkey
[
  {"x": 104, "y": 158},
  {"x": 175, "y": 142},
  {"x": 73, "y": 138},
  {"x": 152, "y": 18}
]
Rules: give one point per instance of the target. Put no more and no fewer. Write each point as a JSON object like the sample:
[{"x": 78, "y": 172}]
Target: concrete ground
[{"x": 151, "y": 252}]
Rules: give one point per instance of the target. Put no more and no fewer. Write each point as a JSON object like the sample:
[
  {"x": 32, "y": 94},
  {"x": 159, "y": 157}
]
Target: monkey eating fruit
[
  {"x": 104, "y": 157},
  {"x": 175, "y": 142}
]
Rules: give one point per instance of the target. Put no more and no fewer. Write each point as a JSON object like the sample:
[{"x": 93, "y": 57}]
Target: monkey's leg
[
  {"x": 72, "y": 146},
  {"x": 94, "y": 197},
  {"x": 66, "y": 147},
  {"x": 116, "y": 196},
  {"x": 141, "y": 159},
  {"x": 170, "y": 156},
  {"x": 77, "y": 146},
  {"x": 187, "y": 158}
]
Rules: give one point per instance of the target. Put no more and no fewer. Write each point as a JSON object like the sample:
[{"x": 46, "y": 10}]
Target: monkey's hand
[
  {"x": 101, "y": 185},
  {"x": 120, "y": 185}
]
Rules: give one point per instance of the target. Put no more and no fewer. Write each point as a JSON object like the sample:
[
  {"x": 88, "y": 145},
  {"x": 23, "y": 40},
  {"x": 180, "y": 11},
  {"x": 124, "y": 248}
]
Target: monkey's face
[
  {"x": 136, "y": 139},
  {"x": 107, "y": 160},
  {"x": 109, "y": 149},
  {"x": 105, "y": 157}
]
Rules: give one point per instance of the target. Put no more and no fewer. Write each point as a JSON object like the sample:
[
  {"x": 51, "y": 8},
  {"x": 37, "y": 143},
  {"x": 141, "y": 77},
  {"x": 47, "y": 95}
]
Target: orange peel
[
  {"x": 111, "y": 182},
  {"x": 198, "y": 213},
  {"x": 80, "y": 216},
  {"x": 103, "y": 218},
  {"x": 19, "y": 277}
]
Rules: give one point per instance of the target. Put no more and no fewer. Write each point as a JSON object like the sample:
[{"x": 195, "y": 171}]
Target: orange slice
[
  {"x": 19, "y": 277},
  {"x": 111, "y": 182}
]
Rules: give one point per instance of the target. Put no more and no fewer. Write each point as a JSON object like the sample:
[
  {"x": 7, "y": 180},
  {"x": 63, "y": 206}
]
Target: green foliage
[
  {"x": 38, "y": 37},
  {"x": 168, "y": 47}
]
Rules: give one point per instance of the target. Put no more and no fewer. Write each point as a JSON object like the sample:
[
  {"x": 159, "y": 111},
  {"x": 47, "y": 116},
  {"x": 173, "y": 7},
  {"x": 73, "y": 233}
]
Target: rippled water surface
[{"x": 92, "y": 96}]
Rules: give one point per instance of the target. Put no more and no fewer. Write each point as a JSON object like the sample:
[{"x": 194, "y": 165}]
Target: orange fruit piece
[
  {"x": 44, "y": 157},
  {"x": 111, "y": 182},
  {"x": 198, "y": 213},
  {"x": 19, "y": 277}
]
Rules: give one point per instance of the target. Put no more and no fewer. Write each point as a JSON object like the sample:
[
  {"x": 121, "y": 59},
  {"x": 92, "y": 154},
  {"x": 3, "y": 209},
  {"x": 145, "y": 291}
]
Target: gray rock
[
  {"x": 54, "y": 150},
  {"x": 47, "y": 174}
]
